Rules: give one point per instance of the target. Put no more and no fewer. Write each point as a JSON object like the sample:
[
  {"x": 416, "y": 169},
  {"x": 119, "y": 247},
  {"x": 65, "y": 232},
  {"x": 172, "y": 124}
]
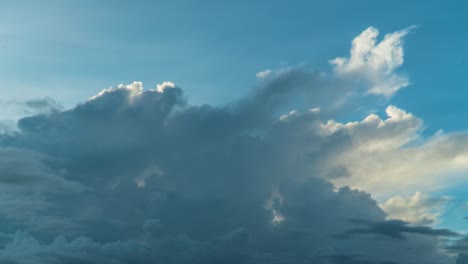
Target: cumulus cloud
[
  {"x": 142, "y": 176},
  {"x": 375, "y": 61},
  {"x": 417, "y": 209},
  {"x": 177, "y": 183},
  {"x": 383, "y": 156}
]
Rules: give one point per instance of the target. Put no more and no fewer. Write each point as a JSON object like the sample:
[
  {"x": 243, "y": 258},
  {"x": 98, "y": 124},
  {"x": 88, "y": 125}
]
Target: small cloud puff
[
  {"x": 165, "y": 85},
  {"x": 264, "y": 74}
]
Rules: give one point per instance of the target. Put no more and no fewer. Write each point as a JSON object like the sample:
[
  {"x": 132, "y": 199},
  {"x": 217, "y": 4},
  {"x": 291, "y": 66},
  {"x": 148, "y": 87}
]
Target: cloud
[
  {"x": 350, "y": 259},
  {"x": 26, "y": 185},
  {"x": 7, "y": 126},
  {"x": 11, "y": 111},
  {"x": 462, "y": 259},
  {"x": 376, "y": 62},
  {"x": 24, "y": 248},
  {"x": 143, "y": 176},
  {"x": 383, "y": 156},
  {"x": 263, "y": 244},
  {"x": 459, "y": 247},
  {"x": 42, "y": 106},
  {"x": 21, "y": 167},
  {"x": 395, "y": 229},
  {"x": 177, "y": 183},
  {"x": 418, "y": 209},
  {"x": 263, "y": 74}
]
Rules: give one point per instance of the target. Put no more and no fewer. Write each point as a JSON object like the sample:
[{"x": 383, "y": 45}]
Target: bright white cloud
[
  {"x": 133, "y": 89},
  {"x": 385, "y": 156},
  {"x": 375, "y": 62},
  {"x": 389, "y": 156},
  {"x": 264, "y": 74},
  {"x": 165, "y": 85},
  {"x": 373, "y": 133}
]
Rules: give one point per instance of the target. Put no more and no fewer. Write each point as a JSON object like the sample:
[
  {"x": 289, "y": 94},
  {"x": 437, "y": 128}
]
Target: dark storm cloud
[{"x": 134, "y": 176}]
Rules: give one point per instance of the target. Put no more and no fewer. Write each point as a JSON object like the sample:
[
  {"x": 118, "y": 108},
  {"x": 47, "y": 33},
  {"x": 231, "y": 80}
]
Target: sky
[{"x": 233, "y": 132}]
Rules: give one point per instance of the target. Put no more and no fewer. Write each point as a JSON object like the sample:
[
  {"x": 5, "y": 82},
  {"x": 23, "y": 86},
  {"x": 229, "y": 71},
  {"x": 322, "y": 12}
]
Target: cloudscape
[{"x": 313, "y": 160}]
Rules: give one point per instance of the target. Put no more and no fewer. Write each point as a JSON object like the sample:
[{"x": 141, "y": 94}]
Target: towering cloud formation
[{"x": 142, "y": 176}]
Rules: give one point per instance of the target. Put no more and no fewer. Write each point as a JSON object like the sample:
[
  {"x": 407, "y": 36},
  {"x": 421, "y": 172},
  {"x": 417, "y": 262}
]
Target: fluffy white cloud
[
  {"x": 132, "y": 90},
  {"x": 375, "y": 62},
  {"x": 165, "y": 85},
  {"x": 390, "y": 156},
  {"x": 383, "y": 156}
]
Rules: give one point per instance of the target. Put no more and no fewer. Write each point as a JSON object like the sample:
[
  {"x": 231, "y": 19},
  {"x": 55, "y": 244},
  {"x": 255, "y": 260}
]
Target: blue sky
[{"x": 213, "y": 160}]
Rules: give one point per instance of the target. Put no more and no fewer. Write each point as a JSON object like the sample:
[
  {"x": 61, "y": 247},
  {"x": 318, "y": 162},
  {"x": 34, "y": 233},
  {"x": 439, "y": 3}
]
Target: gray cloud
[
  {"x": 462, "y": 259},
  {"x": 43, "y": 105},
  {"x": 396, "y": 229},
  {"x": 352, "y": 259},
  {"x": 11, "y": 111},
  {"x": 143, "y": 176},
  {"x": 459, "y": 247},
  {"x": 135, "y": 176}
]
